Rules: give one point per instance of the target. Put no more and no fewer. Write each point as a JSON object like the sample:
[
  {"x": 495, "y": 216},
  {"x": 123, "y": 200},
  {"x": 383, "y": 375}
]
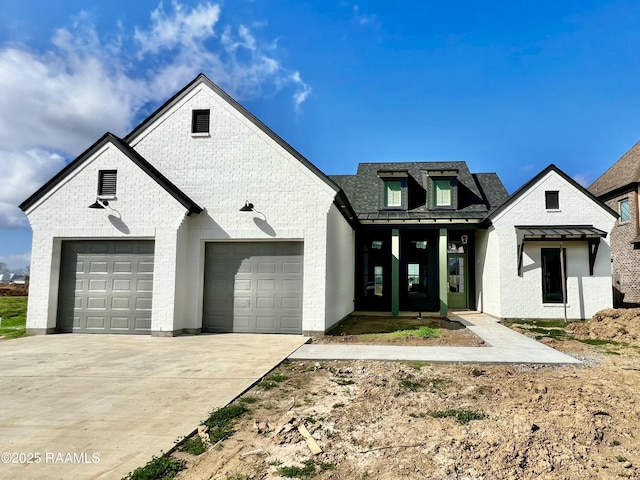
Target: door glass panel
[
  {"x": 417, "y": 280},
  {"x": 377, "y": 273},
  {"x": 456, "y": 275}
]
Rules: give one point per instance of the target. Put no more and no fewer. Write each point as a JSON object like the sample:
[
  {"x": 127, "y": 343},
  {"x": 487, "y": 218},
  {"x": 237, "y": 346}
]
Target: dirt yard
[{"x": 383, "y": 420}]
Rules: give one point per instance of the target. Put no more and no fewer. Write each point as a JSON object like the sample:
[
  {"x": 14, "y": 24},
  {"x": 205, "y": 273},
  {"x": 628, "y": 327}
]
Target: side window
[
  {"x": 442, "y": 193},
  {"x": 552, "y": 200},
  {"x": 624, "y": 211},
  {"x": 393, "y": 193},
  {"x": 107, "y": 182},
  {"x": 200, "y": 121}
]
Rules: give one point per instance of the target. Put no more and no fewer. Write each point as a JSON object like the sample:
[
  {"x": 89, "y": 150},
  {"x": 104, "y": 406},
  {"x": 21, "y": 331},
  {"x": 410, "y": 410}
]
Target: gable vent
[
  {"x": 107, "y": 180},
  {"x": 200, "y": 121}
]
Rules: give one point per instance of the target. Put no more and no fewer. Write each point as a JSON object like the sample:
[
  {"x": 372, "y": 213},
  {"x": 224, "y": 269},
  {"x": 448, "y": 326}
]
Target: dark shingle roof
[
  {"x": 477, "y": 193},
  {"x": 624, "y": 172}
]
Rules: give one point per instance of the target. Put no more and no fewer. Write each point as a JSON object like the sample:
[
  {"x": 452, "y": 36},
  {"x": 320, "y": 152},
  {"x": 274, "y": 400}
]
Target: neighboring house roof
[
  {"x": 7, "y": 277},
  {"x": 134, "y": 156},
  {"x": 515, "y": 195},
  {"x": 477, "y": 193},
  {"x": 625, "y": 171}
]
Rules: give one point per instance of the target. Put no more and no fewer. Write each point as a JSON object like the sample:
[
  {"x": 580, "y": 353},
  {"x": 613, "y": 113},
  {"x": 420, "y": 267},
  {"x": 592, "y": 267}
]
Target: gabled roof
[
  {"x": 625, "y": 171},
  {"x": 130, "y": 153},
  {"x": 478, "y": 193},
  {"x": 551, "y": 168},
  {"x": 203, "y": 79}
]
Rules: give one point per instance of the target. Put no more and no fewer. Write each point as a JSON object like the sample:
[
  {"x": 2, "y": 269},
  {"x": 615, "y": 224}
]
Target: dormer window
[
  {"x": 393, "y": 193},
  {"x": 200, "y": 121},
  {"x": 442, "y": 192}
]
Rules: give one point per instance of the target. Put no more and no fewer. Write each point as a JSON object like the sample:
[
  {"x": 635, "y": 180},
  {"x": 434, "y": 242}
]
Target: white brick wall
[
  {"x": 146, "y": 210},
  {"x": 521, "y": 297},
  {"x": 239, "y": 162}
]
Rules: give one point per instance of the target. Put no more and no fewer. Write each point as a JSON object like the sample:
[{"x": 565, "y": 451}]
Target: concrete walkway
[
  {"x": 503, "y": 345},
  {"x": 99, "y": 406}
]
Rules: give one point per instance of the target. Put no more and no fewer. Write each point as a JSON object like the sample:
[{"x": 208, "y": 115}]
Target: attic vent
[
  {"x": 107, "y": 180},
  {"x": 200, "y": 121}
]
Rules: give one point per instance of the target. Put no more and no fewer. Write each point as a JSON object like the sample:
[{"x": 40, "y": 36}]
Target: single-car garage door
[
  {"x": 253, "y": 287},
  {"x": 106, "y": 286}
]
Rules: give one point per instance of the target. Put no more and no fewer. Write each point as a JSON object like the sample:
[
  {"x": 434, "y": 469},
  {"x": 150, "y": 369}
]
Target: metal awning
[{"x": 560, "y": 233}]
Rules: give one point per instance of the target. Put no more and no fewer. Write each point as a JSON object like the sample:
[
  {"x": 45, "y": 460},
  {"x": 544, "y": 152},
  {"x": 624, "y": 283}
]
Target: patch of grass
[
  {"x": 462, "y": 416},
  {"x": 307, "y": 470},
  {"x": 417, "y": 365},
  {"x": 194, "y": 446},
  {"x": 159, "y": 468},
  {"x": 420, "y": 332},
  {"x": 621, "y": 459},
  {"x": 411, "y": 385},
  {"x": 220, "y": 421},
  {"x": 615, "y": 443},
  {"x": 612, "y": 352},
  {"x": 342, "y": 381},
  {"x": 601, "y": 341},
  {"x": 248, "y": 400},
  {"x": 13, "y": 311},
  {"x": 548, "y": 332},
  {"x": 558, "y": 323},
  {"x": 272, "y": 381},
  {"x": 338, "y": 405}
]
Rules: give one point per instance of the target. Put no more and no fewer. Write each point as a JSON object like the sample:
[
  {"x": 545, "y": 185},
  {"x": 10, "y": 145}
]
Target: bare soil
[
  {"x": 374, "y": 330},
  {"x": 379, "y": 420},
  {"x": 14, "y": 290}
]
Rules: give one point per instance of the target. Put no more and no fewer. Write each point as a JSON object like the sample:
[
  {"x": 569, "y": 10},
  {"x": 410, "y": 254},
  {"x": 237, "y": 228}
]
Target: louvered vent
[
  {"x": 107, "y": 181},
  {"x": 200, "y": 122}
]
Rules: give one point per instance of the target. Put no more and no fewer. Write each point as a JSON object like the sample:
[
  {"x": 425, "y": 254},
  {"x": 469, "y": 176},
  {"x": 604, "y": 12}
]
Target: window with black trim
[
  {"x": 200, "y": 121},
  {"x": 623, "y": 210},
  {"x": 107, "y": 182},
  {"x": 552, "y": 200},
  {"x": 552, "y": 281}
]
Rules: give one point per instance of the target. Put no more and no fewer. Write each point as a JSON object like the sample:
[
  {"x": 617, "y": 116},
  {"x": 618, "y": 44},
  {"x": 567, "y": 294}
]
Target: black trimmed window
[
  {"x": 107, "y": 182},
  {"x": 552, "y": 281},
  {"x": 552, "y": 200},
  {"x": 624, "y": 210},
  {"x": 200, "y": 121}
]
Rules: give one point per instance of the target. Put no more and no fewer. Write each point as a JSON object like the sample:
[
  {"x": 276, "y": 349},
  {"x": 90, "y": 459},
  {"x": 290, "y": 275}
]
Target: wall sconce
[
  {"x": 99, "y": 204},
  {"x": 248, "y": 207}
]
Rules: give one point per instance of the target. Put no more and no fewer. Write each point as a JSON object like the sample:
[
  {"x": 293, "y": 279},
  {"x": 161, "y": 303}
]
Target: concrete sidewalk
[{"x": 503, "y": 345}]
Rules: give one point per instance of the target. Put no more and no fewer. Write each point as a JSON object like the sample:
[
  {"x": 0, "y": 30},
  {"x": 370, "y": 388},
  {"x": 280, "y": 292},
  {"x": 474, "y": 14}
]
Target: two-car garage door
[
  {"x": 106, "y": 286},
  {"x": 253, "y": 287}
]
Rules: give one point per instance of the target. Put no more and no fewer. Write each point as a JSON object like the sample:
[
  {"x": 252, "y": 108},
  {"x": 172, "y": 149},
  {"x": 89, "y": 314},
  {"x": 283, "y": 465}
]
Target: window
[
  {"x": 623, "y": 210},
  {"x": 552, "y": 200},
  {"x": 107, "y": 180},
  {"x": 378, "y": 281},
  {"x": 442, "y": 193},
  {"x": 200, "y": 121},
  {"x": 552, "y": 281},
  {"x": 393, "y": 193}
]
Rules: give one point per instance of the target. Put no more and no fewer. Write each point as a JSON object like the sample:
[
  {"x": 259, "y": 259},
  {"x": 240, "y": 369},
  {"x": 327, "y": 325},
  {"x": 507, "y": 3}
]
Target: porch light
[
  {"x": 99, "y": 204},
  {"x": 248, "y": 207}
]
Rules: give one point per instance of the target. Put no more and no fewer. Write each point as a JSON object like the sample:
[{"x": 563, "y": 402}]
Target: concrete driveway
[{"x": 98, "y": 406}]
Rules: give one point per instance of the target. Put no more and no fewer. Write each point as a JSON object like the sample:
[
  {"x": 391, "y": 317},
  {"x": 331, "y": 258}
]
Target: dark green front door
[{"x": 457, "y": 296}]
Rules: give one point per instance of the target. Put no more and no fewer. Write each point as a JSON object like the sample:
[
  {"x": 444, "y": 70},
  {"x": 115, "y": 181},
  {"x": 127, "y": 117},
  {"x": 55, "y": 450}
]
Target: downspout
[{"x": 564, "y": 282}]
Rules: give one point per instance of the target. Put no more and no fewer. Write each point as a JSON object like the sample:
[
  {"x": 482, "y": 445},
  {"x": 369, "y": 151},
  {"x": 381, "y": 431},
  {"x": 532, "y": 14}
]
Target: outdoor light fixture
[
  {"x": 99, "y": 204},
  {"x": 248, "y": 207}
]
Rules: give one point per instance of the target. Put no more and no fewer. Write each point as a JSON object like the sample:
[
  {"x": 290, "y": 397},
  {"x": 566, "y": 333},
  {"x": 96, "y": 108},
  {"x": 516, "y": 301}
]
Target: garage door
[
  {"x": 106, "y": 286},
  {"x": 253, "y": 287}
]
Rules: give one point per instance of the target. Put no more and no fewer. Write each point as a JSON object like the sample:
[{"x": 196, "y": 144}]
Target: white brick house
[
  {"x": 151, "y": 260},
  {"x": 518, "y": 266},
  {"x": 202, "y": 219}
]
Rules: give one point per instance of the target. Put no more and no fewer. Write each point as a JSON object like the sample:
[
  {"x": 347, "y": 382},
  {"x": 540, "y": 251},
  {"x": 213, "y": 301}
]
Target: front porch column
[
  {"x": 395, "y": 272},
  {"x": 443, "y": 266}
]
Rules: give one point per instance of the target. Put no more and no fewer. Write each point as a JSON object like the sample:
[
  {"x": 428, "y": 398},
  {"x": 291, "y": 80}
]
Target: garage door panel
[
  {"x": 254, "y": 277},
  {"x": 106, "y": 286}
]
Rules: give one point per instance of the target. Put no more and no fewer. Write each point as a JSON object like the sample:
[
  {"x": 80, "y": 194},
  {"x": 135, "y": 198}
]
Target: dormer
[
  {"x": 393, "y": 191},
  {"x": 442, "y": 189}
]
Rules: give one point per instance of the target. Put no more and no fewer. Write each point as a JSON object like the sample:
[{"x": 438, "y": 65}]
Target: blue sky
[{"x": 507, "y": 86}]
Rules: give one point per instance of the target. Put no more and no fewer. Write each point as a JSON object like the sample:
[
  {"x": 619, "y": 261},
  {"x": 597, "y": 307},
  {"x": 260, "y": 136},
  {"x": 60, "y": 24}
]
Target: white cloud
[
  {"x": 62, "y": 100},
  {"x": 16, "y": 262},
  {"x": 583, "y": 179}
]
